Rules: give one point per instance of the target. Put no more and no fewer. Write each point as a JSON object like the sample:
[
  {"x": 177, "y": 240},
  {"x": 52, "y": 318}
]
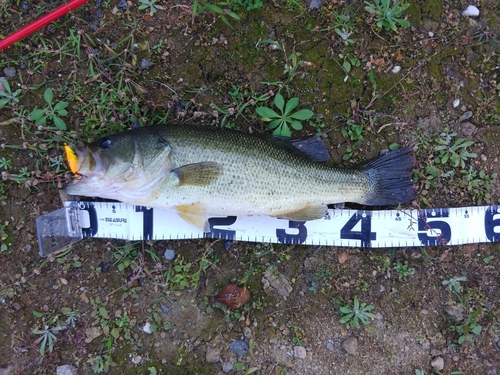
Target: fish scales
[{"x": 204, "y": 171}]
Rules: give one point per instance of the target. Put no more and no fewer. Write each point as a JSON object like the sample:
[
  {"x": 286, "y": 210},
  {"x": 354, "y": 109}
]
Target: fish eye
[{"x": 105, "y": 143}]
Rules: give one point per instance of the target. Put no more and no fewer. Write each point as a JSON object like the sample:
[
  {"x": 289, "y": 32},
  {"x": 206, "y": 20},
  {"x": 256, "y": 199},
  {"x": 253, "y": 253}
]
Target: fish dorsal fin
[
  {"x": 195, "y": 215},
  {"x": 198, "y": 174},
  {"x": 312, "y": 148},
  {"x": 313, "y": 212}
]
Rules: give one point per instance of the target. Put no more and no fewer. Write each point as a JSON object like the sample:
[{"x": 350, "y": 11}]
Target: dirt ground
[{"x": 121, "y": 308}]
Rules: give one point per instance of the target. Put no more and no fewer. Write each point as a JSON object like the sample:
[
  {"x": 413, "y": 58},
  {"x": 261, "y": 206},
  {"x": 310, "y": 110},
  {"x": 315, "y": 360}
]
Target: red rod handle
[{"x": 41, "y": 22}]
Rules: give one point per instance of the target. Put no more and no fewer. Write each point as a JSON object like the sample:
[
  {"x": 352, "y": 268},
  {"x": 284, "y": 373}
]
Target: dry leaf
[
  {"x": 233, "y": 296},
  {"x": 344, "y": 257}
]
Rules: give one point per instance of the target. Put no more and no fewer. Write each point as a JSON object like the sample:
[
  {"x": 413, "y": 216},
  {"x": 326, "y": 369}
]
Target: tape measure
[{"x": 340, "y": 227}]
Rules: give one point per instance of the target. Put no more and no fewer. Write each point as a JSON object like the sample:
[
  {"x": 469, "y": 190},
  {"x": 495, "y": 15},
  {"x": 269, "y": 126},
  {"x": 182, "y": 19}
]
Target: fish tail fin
[{"x": 390, "y": 178}]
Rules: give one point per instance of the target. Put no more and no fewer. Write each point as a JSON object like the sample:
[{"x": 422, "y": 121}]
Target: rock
[
  {"x": 66, "y": 370},
  {"x": 329, "y": 346},
  {"x": 468, "y": 128},
  {"x": 455, "y": 313},
  {"x": 92, "y": 333},
  {"x": 467, "y": 115},
  {"x": 123, "y": 5},
  {"x": 396, "y": 69},
  {"x": 169, "y": 254},
  {"x": 146, "y": 64},
  {"x": 164, "y": 309},
  {"x": 315, "y": 4},
  {"x": 10, "y": 72},
  {"x": 299, "y": 352},
  {"x": 350, "y": 345},
  {"x": 437, "y": 364},
  {"x": 136, "y": 359},
  {"x": 240, "y": 347},
  {"x": 213, "y": 354},
  {"x": 147, "y": 328},
  {"x": 227, "y": 366},
  {"x": 471, "y": 11},
  {"x": 272, "y": 278}
]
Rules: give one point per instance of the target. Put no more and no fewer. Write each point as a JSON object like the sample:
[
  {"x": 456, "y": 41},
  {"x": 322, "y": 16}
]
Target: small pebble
[
  {"x": 123, "y": 5},
  {"x": 104, "y": 266},
  {"x": 299, "y": 352},
  {"x": 467, "y": 115},
  {"x": 146, "y": 64},
  {"x": 315, "y": 4},
  {"x": 350, "y": 345},
  {"x": 471, "y": 11},
  {"x": 147, "y": 328},
  {"x": 329, "y": 346},
  {"x": 213, "y": 354},
  {"x": 164, "y": 309},
  {"x": 25, "y": 5},
  {"x": 66, "y": 370},
  {"x": 468, "y": 128},
  {"x": 226, "y": 367},
  {"x": 169, "y": 254},
  {"x": 396, "y": 69},
  {"x": 456, "y": 103},
  {"x": 240, "y": 347},
  {"x": 137, "y": 359},
  {"x": 9, "y": 71},
  {"x": 437, "y": 364}
]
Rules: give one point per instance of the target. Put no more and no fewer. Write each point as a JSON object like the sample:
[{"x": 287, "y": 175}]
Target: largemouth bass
[{"x": 202, "y": 172}]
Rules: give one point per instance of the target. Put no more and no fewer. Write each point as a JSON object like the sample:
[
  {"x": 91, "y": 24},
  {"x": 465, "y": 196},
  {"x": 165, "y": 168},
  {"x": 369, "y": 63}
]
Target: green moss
[
  {"x": 432, "y": 9},
  {"x": 415, "y": 14}
]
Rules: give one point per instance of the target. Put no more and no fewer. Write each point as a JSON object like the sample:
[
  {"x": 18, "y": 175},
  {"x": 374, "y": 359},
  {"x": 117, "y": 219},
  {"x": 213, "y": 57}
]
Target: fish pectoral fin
[
  {"x": 306, "y": 213},
  {"x": 198, "y": 174},
  {"x": 195, "y": 215}
]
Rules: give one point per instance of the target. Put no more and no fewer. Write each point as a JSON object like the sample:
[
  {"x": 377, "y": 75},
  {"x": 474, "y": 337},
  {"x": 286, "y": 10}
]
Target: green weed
[
  {"x": 470, "y": 329},
  {"x": 388, "y": 14},
  {"x": 7, "y": 96},
  {"x": 50, "y": 112},
  {"x": 48, "y": 337},
  {"x": 247, "y": 4},
  {"x": 356, "y": 313},
  {"x": 217, "y": 8},
  {"x": 151, "y": 4},
  {"x": 280, "y": 122},
  {"x": 453, "y": 153},
  {"x": 403, "y": 270},
  {"x": 454, "y": 283},
  {"x": 343, "y": 24}
]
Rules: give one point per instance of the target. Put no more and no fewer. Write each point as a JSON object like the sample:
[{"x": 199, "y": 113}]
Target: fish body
[{"x": 202, "y": 172}]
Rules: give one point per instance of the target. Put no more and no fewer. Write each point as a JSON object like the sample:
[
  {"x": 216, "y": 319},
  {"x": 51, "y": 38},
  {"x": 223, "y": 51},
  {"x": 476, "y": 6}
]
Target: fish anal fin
[
  {"x": 313, "y": 212},
  {"x": 198, "y": 174},
  {"x": 195, "y": 215}
]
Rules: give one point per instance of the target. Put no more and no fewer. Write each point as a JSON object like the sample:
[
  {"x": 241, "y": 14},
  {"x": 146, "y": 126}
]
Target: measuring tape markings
[
  {"x": 350, "y": 228},
  {"x": 359, "y": 228}
]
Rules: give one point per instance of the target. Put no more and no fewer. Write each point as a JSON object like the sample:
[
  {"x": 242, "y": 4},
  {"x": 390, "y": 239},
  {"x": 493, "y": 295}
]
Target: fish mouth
[{"x": 88, "y": 167}]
